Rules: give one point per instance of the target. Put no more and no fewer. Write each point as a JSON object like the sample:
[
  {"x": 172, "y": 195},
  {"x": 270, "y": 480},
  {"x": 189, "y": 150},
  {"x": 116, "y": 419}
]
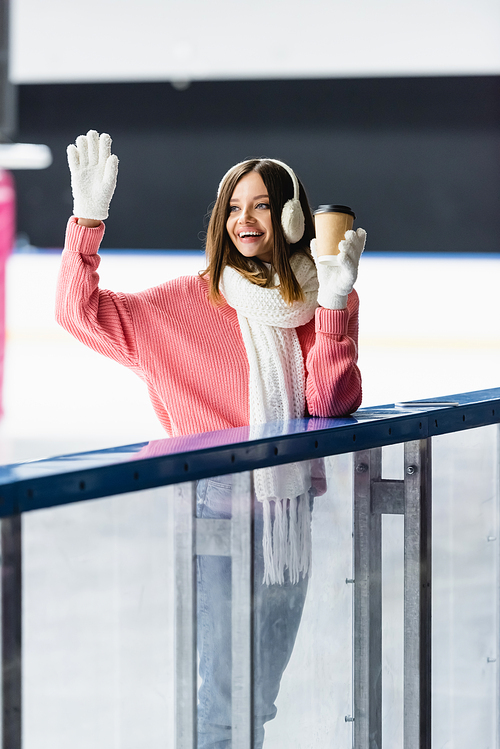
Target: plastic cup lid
[{"x": 335, "y": 208}]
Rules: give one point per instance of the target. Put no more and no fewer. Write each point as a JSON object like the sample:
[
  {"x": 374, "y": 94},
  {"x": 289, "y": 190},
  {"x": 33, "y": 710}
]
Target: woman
[{"x": 261, "y": 335}]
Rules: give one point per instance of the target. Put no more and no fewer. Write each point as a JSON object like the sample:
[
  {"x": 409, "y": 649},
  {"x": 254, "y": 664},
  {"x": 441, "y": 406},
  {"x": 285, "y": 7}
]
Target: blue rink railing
[{"x": 53, "y": 482}]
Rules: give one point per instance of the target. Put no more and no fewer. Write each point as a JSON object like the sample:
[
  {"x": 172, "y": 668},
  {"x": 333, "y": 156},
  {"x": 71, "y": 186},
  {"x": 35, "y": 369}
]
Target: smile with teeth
[{"x": 243, "y": 234}]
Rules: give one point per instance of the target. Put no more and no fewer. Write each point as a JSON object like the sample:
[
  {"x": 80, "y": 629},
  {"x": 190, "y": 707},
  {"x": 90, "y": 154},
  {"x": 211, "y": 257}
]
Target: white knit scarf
[{"x": 277, "y": 393}]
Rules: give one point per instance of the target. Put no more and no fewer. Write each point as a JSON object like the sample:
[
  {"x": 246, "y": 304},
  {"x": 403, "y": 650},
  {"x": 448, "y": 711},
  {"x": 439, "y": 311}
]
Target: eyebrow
[{"x": 256, "y": 197}]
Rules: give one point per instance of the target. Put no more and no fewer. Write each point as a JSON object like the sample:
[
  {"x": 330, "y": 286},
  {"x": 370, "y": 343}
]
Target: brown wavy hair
[{"x": 221, "y": 251}]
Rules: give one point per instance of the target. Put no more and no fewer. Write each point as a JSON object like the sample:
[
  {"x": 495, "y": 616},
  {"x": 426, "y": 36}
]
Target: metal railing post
[
  {"x": 11, "y": 633},
  {"x": 367, "y": 604},
  {"x": 417, "y": 595},
  {"x": 241, "y": 611},
  {"x": 214, "y": 537},
  {"x": 185, "y": 617}
]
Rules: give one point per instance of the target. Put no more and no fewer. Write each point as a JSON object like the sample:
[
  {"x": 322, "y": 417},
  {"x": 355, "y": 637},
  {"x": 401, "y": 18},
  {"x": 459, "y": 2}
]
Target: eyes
[{"x": 258, "y": 206}]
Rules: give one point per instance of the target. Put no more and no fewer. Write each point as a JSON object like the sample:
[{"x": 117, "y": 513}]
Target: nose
[{"x": 246, "y": 215}]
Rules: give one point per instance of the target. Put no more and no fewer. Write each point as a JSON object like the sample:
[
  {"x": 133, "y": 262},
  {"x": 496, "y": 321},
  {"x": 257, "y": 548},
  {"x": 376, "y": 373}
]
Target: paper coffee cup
[{"x": 331, "y": 222}]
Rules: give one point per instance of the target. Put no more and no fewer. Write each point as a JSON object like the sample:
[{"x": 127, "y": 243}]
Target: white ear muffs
[{"x": 292, "y": 215}]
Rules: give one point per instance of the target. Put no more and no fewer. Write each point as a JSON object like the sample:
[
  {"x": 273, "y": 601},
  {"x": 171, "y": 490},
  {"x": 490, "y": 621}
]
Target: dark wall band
[{"x": 418, "y": 158}]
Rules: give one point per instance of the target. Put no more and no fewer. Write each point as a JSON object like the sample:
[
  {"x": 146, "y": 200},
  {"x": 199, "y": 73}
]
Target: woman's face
[{"x": 249, "y": 223}]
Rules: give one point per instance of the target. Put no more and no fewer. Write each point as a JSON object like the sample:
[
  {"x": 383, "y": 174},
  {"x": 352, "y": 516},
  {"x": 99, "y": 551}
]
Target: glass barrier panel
[
  {"x": 98, "y": 623},
  {"x": 301, "y": 613},
  {"x": 465, "y": 599},
  {"x": 465, "y": 589},
  {"x": 144, "y": 614},
  {"x": 315, "y": 703},
  {"x": 100, "y": 606}
]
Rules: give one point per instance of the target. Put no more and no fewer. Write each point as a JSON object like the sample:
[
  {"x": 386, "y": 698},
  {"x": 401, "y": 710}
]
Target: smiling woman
[{"x": 261, "y": 335}]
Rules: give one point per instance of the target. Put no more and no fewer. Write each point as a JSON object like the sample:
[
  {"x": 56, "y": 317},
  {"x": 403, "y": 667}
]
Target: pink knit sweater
[{"x": 190, "y": 353}]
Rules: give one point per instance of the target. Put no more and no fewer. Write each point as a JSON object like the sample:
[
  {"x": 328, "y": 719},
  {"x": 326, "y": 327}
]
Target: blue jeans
[{"x": 277, "y": 610}]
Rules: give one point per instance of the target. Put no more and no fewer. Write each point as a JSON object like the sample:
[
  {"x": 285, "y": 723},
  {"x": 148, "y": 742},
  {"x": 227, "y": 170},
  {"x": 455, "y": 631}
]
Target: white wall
[{"x": 128, "y": 40}]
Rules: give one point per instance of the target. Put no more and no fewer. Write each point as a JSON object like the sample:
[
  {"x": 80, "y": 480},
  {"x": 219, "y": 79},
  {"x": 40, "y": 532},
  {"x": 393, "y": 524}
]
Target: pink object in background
[{"x": 7, "y": 234}]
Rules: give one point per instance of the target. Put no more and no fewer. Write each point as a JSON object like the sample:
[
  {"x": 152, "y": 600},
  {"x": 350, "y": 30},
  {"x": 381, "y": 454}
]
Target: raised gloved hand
[
  {"x": 93, "y": 175},
  {"x": 336, "y": 281}
]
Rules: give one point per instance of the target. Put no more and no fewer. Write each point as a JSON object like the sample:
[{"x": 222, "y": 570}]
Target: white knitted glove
[
  {"x": 93, "y": 175},
  {"x": 336, "y": 281}
]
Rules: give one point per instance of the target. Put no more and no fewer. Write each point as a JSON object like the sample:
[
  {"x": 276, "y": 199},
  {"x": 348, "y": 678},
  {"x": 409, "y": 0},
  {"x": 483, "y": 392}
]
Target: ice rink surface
[
  {"x": 99, "y": 578},
  {"x": 428, "y": 326}
]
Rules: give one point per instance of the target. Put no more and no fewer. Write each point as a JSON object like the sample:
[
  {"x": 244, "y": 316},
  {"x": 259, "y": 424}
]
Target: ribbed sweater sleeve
[
  {"x": 97, "y": 317},
  {"x": 191, "y": 354},
  {"x": 333, "y": 386}
]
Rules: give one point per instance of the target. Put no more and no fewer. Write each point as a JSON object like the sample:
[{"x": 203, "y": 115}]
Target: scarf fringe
[{"x": 287, "y": 541}]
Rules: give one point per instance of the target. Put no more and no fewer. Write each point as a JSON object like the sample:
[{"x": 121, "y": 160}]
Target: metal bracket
[
  {"x": 373, "y": 497},
  {"x": 387, "y": 497}
]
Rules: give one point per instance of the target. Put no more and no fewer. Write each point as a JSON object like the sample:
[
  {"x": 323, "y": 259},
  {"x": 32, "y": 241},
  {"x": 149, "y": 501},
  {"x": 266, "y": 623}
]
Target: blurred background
[{"x": 393, "y": 108}]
